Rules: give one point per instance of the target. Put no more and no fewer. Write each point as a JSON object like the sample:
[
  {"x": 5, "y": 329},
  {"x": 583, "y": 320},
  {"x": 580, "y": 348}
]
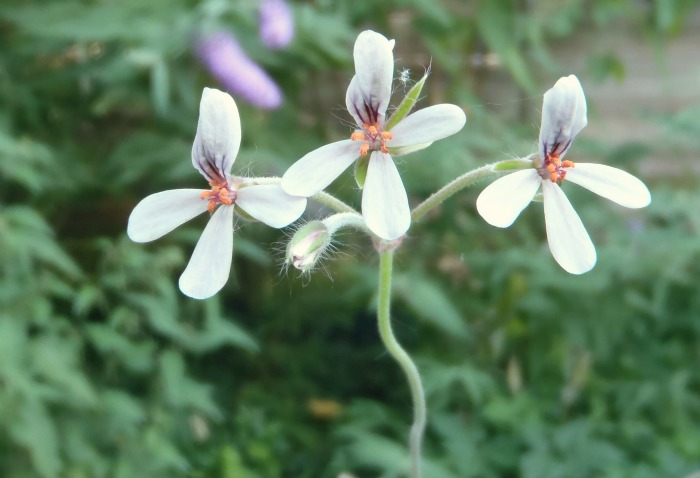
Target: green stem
[
  {"x": 386, "y": 260},
  {"x": 465, "y": 181},
  {"x": 333, "y": 202}
]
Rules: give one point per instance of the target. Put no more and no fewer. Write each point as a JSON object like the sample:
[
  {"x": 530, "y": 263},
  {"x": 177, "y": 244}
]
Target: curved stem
[
  {"x": 386, "y": 260},
  {"x": 333, "y": 202},
  {"x": 465, "y": 181}
]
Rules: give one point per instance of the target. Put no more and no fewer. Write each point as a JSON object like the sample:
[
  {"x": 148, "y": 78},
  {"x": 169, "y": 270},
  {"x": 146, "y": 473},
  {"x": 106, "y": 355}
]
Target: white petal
[
  {"x": 374, "y": 72},
  {"x": 209, "y": 267},
  {"x": 504, "y": 199},
  {"x": 563, "y": 116},
  {"x": 428, "y": 125},
  {"x": 218, "y": 135},
  {"x": 319, "y": 168},
  {"x": 611, "y": 183},
  {"x": 160, "y": 213},
  {"x": 384, "y": 202},
  {"x": 270, "y": 204},
  {"x": 568, "y": 239}
]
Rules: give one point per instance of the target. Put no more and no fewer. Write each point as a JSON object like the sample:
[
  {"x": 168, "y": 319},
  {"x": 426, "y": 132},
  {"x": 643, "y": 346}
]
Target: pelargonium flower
[
  {"x": 384, "y": 201},
  {"x": 563, "y": 117},
  {"x": 225, "y": 59},
  {"x": 214, "y": 150},
  {"x": 276, "y": 23}
]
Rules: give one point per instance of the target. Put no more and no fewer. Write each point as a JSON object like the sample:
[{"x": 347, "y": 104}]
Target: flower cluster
[{"x": 377, "y": 139}]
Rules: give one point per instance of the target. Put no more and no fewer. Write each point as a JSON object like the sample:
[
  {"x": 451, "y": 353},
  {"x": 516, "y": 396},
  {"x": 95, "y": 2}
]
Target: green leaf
[{"x": 430, "y": 303}]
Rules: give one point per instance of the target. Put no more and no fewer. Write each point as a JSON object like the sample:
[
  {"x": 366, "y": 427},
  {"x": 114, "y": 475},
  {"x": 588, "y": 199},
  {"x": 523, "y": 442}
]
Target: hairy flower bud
[{"x": 307, "y": 245}]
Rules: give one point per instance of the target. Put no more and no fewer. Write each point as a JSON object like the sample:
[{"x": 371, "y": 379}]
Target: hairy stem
[
  {"x": 465, "y": 181},
  {"x": 386, "y": 260},
  {"x": 333, "y": 202}
]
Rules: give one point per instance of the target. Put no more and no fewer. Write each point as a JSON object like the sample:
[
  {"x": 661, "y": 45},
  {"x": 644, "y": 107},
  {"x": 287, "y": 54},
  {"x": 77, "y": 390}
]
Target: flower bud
[
  {"x": 225, "y": 59},
  {"x": 307, "y": 245},
  {"x": 276, "y": 23}
]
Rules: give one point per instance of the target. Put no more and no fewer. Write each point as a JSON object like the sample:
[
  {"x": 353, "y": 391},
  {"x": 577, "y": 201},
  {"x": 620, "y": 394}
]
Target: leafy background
[{"x": 106, "y": 370}]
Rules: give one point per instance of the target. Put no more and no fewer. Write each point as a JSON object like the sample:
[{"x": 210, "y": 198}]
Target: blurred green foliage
[{"x": 106, "y": 370}]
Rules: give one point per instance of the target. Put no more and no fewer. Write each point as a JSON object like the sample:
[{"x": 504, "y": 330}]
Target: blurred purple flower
[
  {"x": 276, "y": 23},
  {"x": 222, "y": 55}
]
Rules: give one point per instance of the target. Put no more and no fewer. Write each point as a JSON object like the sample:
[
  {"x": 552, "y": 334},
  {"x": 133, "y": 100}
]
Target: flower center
[
  {"x": 553, "y": 168},
  {"x": 220, "y": 193},
  {"x": 373, "y": 138}
]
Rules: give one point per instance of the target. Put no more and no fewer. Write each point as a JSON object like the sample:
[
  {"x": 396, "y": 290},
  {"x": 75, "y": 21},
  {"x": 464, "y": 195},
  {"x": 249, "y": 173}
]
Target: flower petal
[
  {"x": 611, "y": 183},
  {"x": 269, "y": 204},
  {"x": 218, "y": 135},
  {"x": 210, "y": 265},
  {"x": 568, "y": 240},
  {"x": 563, "y": 116},
  {"x": 370, "y": 90},
  {"x": 160, "y": 213},
  {"x": 384, "y": 202},
  {"x": 428, "y": 125},
  {"x": 504, "y": 199},
  {"x": 319, "y": 168}
]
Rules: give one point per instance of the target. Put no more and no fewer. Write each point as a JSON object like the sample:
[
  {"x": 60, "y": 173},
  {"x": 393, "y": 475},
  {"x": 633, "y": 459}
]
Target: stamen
[
  {"x": 375, "y": 139},
  {"x": 219, "y": 194},
  {"x": 553, "y": 168}
]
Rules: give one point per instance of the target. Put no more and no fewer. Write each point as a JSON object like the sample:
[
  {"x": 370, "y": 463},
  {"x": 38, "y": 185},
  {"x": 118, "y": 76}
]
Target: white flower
[
  {"x": 384, "y": 202},
  {"x": 563, "y": 116},
  {"x": 213, "y": 153}
]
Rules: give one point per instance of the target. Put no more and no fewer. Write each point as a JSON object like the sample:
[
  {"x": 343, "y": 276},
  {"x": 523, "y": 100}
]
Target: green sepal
[
  {"x": 539, "y": 197},
  {"x": 361, "y": 166},
  {"x": 407, "y": 103},
  {"x": 512, "y": 164}
]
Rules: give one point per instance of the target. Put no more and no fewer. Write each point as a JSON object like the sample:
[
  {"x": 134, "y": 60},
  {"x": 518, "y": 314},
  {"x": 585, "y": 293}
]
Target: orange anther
[
  {"x": 226, "y": 200},
  {"x": 387, "y": 135},
  {"x": 213, "y": 183},
  {"x": 358, "y": 136},
  {"x": 567, "y": 164},
  {"x": 373, "y": 130},
  {"x": 554, "y": 177},
  {"x": 206, "y": 194},
  {"x": 551, "y": 167},
  {"x": 562, "y": 175},
  {"x": 384, "y": 148},
  {"x": 212, "y": 205},
  {"x": 224, "y": 192},
  {"x": 363, "y": 149}
]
